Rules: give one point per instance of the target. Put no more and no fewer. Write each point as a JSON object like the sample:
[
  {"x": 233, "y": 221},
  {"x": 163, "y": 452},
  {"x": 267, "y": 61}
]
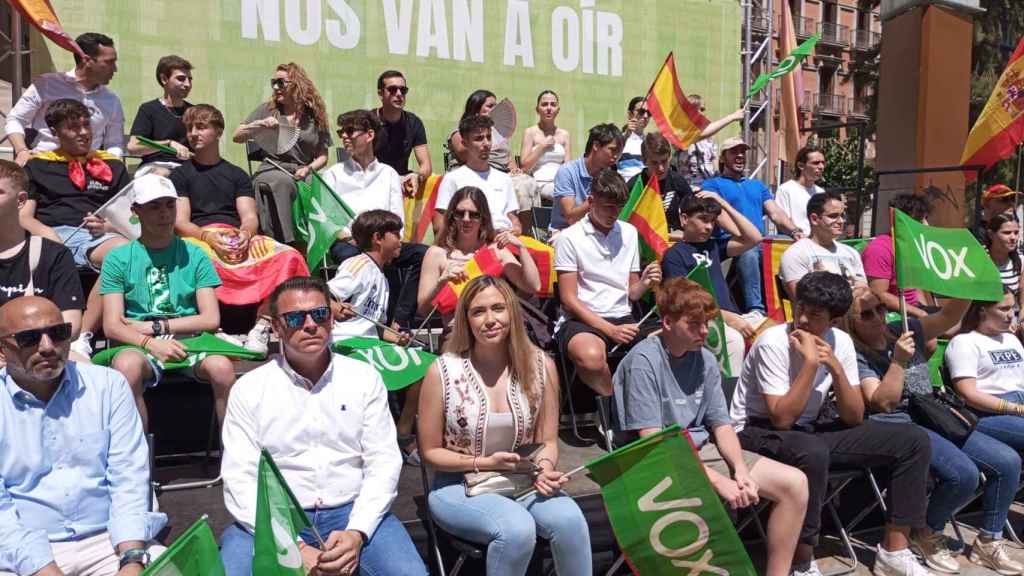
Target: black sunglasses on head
[
  {"x": 30, "y": 338},
  {"x": 296, "y": 318}
]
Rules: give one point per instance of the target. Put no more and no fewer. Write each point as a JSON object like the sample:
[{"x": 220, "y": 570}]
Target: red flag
[
  {"x": 40, "y": 13},
  {"x": 484, "y": 262}
]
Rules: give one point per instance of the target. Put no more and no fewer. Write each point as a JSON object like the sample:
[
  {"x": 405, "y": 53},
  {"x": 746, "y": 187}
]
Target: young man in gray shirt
[{"x": 669, "y": 378}]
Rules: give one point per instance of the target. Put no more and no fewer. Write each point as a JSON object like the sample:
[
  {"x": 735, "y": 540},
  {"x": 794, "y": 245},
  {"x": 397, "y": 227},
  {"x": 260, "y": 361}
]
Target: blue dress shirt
[{"x": 71, "y": 468}]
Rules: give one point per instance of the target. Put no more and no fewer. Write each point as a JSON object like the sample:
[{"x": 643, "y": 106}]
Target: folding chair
[
  {"x": 212, "y": 446},
  {"x": 541, "y": 221},
  {"x": 577, "y": 397}
]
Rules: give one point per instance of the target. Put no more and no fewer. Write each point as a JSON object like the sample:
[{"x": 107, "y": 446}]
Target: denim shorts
[{"x": 81, "y": 244}]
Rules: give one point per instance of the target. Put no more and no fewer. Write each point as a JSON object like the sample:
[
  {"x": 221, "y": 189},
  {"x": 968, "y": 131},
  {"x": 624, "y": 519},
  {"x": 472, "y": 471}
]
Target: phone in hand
[{"x": 528, "y": 451}]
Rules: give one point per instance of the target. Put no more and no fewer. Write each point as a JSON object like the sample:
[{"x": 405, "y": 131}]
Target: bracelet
[
  {"x": 548, "y": 460},
  {"x": 167, "y": 326},
  {"x": 475, "y": 468},
  {"x": 145, "y": 340}
]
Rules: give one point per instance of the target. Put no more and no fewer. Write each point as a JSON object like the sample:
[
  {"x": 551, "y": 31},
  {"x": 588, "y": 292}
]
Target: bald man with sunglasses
[{"x": 74, "y": 464}]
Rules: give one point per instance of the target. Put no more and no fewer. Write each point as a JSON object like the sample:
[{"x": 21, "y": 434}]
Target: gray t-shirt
[
  {"x": 916, "y": 377},
  {"x": 655, "y": 390}
]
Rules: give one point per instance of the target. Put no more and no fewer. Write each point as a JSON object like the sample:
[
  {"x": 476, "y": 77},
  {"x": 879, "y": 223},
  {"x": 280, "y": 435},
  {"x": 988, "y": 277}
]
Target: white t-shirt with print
[
  {"x": 497, "y": 188},
  {"x": 361, "y": 283},
  {"x": 806, "y": 256},
  {"x": 792, "y": 197},
  {"x": 996, "y": 362},
  {"x": 772, "y": 366}
]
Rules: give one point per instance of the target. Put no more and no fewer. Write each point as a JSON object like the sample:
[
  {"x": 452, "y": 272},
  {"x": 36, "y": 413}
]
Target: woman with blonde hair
[
  {"x": 491, "y": 405},
  {"x": 292, "y": 130}
]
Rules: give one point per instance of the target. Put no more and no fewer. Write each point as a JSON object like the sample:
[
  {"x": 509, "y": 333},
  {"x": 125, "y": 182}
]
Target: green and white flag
[
  {"x": 787, "y": 65},
  {"x": 715, "y": 341},
  {"x": 279, "y": 519},
  {"x": 198, "y": 348},
  {"x": 946, "y": 261},
  {"x": 665, "y": 515},
  {"x": 194, "y": 553},
  {"x": 319, "y": 215},
  {"x": 398, "y": 366}
]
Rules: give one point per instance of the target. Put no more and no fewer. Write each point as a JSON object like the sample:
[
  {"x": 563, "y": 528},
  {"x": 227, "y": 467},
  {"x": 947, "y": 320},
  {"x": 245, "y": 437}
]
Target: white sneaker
[
  {"x": 83, "y": 345},
  {"x": 898, "y": 563},
  {"x": 258, "y": 338},
  {"x": 812, "y": 570},
  {"x": 229, "y": 339}
]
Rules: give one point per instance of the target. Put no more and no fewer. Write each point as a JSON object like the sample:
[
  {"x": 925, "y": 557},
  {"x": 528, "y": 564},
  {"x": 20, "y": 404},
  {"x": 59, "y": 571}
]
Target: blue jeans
[
  {"x": 389, "y": 549},
  {"x": 748, "y": 266},
  {"x": 510, "y": 528}
]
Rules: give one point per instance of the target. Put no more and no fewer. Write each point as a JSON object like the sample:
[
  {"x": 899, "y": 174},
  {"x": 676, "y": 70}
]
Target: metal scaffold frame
[{"x": 757, "y": 56}]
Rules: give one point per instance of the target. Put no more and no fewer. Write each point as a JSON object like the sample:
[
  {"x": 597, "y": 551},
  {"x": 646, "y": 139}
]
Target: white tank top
[{"x": 549, "y": 163}]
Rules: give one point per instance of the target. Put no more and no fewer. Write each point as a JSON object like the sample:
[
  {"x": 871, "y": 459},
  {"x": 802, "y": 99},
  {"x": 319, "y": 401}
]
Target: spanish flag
[
  {"x": 778, "y": 306},
  {"x": 1000, "y": 128},
  {"x": 544, "y": 257},
  {"x": 679, "y": 121},
  {"x": 419, "y": 211},
  {"x": 484, "y": 262},
  {"x": 645, "y": 211}
]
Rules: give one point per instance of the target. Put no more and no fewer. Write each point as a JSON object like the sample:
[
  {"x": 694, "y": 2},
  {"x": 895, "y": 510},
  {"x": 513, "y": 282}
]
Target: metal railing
[
  {"x": 859, "y": 106},
  {"x": 830, "y": 104},
  {"x": 866, "y": 39},
  {"x": 834, "y": 34},
  {"x": 760, "y": 20},
  {"x": 804, "y": 27}
]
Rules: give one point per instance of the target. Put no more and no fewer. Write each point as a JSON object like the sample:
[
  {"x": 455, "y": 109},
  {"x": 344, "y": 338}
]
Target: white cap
[{"x": 151, "y": 187}]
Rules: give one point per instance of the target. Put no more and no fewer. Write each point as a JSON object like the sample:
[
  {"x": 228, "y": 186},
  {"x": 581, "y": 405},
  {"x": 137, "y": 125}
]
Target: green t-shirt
[{"x": 158, "y": 283}]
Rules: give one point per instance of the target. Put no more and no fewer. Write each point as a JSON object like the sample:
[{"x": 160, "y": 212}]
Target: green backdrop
[{"x": 446, "y": 48}]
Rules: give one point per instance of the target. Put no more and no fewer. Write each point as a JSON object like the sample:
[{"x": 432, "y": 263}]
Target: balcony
[
  {"x": 830, "y": 104},
  {"x": 759, "y": 21},
  {"x": 805, "y": 27},
  {"x": 859, "y": 107},
  {"x": 865, "y": 40},
  {"x": 833, "y": 34}
]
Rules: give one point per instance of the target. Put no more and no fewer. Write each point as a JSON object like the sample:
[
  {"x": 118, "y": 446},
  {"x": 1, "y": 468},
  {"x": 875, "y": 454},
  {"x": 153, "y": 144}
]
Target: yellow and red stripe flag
[
  {"x": 1000, "y": 128},
  {"x": 40, "y": 13},
  {"x": 645, "y": 211},
  {"x": 679, "y": 121},
  {"x": 778, "y": 308},
  {"x": 544, "y": 257},
  {"x": 419, "y": 211},
  {"x": 484, "y": 262}
]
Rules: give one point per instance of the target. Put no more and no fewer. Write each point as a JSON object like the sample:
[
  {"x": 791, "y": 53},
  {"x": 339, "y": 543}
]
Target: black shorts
[{"x": 572, "y": 327}]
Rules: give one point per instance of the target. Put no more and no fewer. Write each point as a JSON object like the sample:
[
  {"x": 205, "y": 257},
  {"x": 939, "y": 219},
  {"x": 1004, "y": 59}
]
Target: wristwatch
[
  {"x": 158, "y": 328},
  {"x": 134, "y": 556}
]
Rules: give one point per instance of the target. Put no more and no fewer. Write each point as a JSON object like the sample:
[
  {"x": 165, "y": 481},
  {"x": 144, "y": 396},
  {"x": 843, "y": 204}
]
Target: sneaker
[
  {"x": 933, "y": 549},
  {"x": 811, "y": 570},
  {"x": 410, "y": 454},
  {"x": 258, "y": 338},
  {"x": 229, "y": 339},
  {"x": 898, "y": 563},
  {"x": 992, "y": 555},
  {"x": 83, "y": 345}
]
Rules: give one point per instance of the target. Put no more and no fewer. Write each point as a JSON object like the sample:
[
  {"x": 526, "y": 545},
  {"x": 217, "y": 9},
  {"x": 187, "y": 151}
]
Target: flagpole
[
  {"x": 532, "y": 491},
  {"x": 380, "y": 325},
  {"x": 640, "y": 323},
  {"x": 100, "y": 209},
  {"x": 903, "y": 308},
  {"x": 279, "y": 167},
  {"x": 422, "y": 324}
]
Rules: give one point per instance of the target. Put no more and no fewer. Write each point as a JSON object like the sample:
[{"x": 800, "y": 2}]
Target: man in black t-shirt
[
  {"x": 160, "y": 119},
  {"x": 403, "y": 132},
  {"x": 656, "y": 153}
]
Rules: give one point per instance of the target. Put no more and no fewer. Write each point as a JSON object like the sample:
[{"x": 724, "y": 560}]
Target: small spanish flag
[
  {"x": 645, "y": 211},
  {"x": 484, "y": 262},
  {"x": 544, "y": 257},
  {"x": 679, "y": 120},
  {"x": 419, "y": 211},
  {"x": 1000, "y": 128}
]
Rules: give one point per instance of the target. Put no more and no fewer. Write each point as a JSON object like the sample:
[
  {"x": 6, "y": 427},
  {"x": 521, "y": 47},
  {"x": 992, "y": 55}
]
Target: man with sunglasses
[
  {"x": 324, "y": 419},
  {"x": 403, "y": 132},
  {"x": 74, "y": 464},
  {"x": 155, "y": 288}
]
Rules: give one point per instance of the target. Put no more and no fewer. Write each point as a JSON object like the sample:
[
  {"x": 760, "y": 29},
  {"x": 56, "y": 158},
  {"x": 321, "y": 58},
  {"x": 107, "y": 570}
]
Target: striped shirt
[{"x": 1010, "y": 274}]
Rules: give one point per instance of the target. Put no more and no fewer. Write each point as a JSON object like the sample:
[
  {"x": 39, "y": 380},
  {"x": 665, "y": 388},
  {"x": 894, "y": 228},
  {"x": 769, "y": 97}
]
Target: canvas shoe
[
  {"x": 898, "y": 563},
  {"x": 932, "y": 548},
  {"x": 992, "y": 555}
]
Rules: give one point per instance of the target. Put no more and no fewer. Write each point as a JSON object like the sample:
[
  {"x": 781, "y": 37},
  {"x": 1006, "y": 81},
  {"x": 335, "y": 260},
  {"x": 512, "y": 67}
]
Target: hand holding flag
[{"x": 484, "y": 262}]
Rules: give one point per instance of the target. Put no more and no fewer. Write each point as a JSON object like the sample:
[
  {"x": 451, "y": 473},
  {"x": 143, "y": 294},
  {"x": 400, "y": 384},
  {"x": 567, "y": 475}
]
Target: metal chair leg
[
  {"x": 618, "y": 564},
  {"x": 851, "y": 568}
]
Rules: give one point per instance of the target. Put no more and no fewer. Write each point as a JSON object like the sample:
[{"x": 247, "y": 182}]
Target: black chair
[
  {"x": 541, "y": 222},
  {"x": 253, "y": 153}
]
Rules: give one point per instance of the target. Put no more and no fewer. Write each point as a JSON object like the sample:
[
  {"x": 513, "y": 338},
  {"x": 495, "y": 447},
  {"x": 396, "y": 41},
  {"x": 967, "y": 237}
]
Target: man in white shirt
[
  {"x": 820, "y": 251},
  {"x": 598, "y": 264},
  {"x": 778, "y": 411},
  {"x": 325, "y": 420},
  {"x": 792, "y": 196},
  {"x": 496, "y": 185},
  {"x": 87, "y": 83}
]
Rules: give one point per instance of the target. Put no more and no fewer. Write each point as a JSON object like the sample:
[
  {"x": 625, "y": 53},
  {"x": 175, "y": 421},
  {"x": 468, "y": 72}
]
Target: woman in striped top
[{"x": 1002, "y": 233}]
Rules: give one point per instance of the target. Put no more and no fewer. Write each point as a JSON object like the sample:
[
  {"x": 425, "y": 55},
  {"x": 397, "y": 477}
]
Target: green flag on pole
[
  {"x": 279, "y": 519},
  {"x": 194, "y": 553},
  {"x": 715, "y": 341},
  {"x": 320, "y": 214},
  {"x": 398, "y": 366},
  {"x": 198, "y": 348},
  {"x": 663, "y": 510},
  {"x": 788, "y": 64},
  {"x": 946, "y": 261}
]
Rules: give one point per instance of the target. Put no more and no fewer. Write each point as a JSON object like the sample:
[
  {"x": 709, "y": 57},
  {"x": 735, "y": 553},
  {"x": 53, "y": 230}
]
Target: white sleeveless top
[{"x": 549, "y": 163}]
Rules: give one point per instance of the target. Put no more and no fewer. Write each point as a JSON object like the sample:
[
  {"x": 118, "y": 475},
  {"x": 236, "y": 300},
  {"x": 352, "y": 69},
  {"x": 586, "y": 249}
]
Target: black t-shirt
[
  {"x": 399, "y": 141},
  {"x": 61, "y": 203},
  {"x": 212, "y": 191},
  {"x": 683, "y": 257},
  {"x": 674, "y": 189},
  {"x": 158, "y": 122},
  {"x": 56, "y": 277}
]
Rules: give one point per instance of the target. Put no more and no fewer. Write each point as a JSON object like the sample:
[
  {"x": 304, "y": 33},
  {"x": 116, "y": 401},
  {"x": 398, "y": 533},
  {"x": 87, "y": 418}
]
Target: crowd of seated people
[{"x": 834, "y": 387}]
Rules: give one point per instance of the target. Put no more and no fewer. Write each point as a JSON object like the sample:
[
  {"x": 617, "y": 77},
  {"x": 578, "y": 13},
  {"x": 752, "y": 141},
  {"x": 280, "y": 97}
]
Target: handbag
[{"x": 945, "y": 414}]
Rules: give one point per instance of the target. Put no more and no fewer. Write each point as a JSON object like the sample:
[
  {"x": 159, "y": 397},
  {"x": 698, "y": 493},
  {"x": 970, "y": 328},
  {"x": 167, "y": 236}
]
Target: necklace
[{"x": 170, "y": 109}]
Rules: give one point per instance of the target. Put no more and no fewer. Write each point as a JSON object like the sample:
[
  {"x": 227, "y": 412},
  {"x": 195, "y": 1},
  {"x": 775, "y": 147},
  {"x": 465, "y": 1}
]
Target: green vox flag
[
  {"x": 320, "y": 214},
  {"x": 198, "y": 347},
  {"x": 663, "y": 510},
  {"x": 398, "y": 366},
  {"x": 947, "y": 261},
  {"x": 194, "y": 553},
  {"x": 279, "y": 519},
  {"x": 716, "y": 330},
  {"x": 788, "y": 64}
]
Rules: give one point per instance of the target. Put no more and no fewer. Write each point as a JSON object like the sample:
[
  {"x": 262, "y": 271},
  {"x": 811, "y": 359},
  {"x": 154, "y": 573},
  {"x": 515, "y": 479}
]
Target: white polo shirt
[
  {"x": 497, "y": 188},
  {"x": 602, "y": 263}
]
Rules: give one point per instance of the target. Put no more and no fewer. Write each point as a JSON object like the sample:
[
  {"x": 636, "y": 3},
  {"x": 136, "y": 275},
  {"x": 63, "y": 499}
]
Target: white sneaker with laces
[
  {"x": 898, "y": 563},
  {"x": 229, "y": 339},
  {"x": 83, "y": 344},
  {"x": 258, "y": 338},
  {"x": 812, "y": 570}
]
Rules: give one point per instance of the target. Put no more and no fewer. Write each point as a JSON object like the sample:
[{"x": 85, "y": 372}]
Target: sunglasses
[
  {"x": 463, "y": 214},
  {"x": 297, "y": 318},
  {"x": 30, "y": 338},
  {"x": 279, "y": 83},
  {"x": 641, "y": 112},
  {"x": 395, "y": 89},
  {"x": 349, "y": 131}
]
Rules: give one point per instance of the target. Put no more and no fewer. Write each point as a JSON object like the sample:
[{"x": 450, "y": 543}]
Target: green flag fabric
[
  {"x": 319, "y": 214},
  {"x": 397, "y": 365},
  {"x": 198, "y": 348},
  {"x": 715, "y": 341},
  {"x": 787, "y": 65},
  {"x": 279, "y": 519},
  {"x": 947, "y": 261},
  {"x": 665, "y": 515},
  {"x": 194, "y": 553}
]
